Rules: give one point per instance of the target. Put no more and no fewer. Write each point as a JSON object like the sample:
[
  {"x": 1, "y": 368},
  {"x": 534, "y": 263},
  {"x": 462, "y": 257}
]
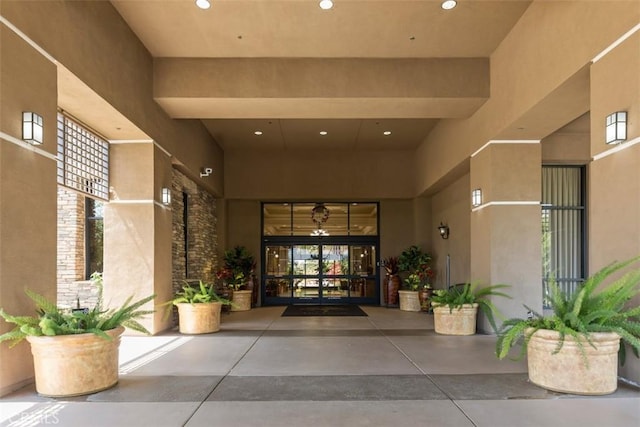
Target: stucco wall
[{"x": 27, "y": 194}]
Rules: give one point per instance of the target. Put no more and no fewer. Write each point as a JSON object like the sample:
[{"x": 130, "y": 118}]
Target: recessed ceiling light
[
  {"x": 326, "y": 4},
  {"x": 386, "y": 133},
  {"x": 203, "y": 4},
  {"x": 323, "y": 132},
  {"x": 449, "y": 4},
  {"x": 258, "y": 132}
]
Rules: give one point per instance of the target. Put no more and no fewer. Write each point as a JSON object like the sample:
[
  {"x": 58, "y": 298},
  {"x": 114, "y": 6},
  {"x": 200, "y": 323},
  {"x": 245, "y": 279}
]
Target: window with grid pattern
[{"x": 83, "y": 159}]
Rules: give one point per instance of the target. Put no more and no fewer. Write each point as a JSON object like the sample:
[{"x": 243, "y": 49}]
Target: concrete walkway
[{"x": 387, "y": 369}]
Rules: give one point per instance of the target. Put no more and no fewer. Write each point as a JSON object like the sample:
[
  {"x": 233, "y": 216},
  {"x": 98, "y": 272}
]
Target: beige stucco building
[{"x": 539, "y": 96}]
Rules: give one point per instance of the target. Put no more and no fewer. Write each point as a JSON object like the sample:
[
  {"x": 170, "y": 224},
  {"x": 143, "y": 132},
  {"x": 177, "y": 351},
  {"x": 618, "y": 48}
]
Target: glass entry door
[{"x": 320, "y": 274}]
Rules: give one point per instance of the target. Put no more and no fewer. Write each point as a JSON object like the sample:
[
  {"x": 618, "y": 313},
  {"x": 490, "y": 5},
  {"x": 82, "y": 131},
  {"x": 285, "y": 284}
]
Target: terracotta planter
[
  {"x": 241, "y": 301},
  {"x": 566, "y": 371},
  {"x": 393, "y": 285},
  {"x": 425, "y": 299},
  {"x": 409, "y": 300},
  {"x": 73, "y": 365},
  {"x": 199, "y": 318},
  {"x": 459, "y": 321}
]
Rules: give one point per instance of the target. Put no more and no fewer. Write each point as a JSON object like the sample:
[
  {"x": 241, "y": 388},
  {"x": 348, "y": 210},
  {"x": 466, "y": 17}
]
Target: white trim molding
[
  {"x": 616, "y": 149},
  {"x": 24, "y": 37},
  {"x": 616, "y": 43},
  {"x": 27, "y": 146},
  {"x": 507, "y": 203},
  {"x": 505, "y": 141}
]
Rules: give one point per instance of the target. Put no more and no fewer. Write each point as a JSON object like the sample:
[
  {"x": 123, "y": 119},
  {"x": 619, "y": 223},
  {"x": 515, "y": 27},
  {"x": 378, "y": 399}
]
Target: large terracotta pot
[
  {"x": 241, "y": 301},
  {"x": 393, "y": 285},
  {"x": 459, "y": 321},
  {"x": 199, "y": 318},
  {"x": 568, "y": 371},
  {"x": 73, "y": 365},
  {"x": 409, "y": 301}
]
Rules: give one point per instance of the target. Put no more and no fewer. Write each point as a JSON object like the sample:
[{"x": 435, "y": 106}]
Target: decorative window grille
[
  {"x": 563, "y": 228},
  {"x": 83, "y": 159}
]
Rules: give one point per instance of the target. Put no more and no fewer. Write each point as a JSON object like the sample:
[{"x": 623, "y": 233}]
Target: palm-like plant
[
  {"x": 202, "y": 294},
  {"x": 457, "y": 296},
  {"x": 50, "y": 320},
  {"x": 594, "y": 308}
]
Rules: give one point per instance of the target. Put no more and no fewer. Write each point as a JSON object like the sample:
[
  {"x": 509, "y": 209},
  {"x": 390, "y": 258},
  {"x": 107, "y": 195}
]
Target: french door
[{"x": 303, "y": 271}]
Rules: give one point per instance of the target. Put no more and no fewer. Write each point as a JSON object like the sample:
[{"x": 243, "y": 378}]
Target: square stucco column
[
  {"x": 614, "y": 172},
  {"x": 505, "y": 228},
  {"x": 27, "y": 195},
  {"x": 137, "y": 229}
]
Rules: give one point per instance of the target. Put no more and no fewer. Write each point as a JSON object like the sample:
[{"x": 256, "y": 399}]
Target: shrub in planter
[
  {"x": 455, "y": 309},
  {"x": 576, "y": 349},
  {"x": 198, "y": 309},
  {"x": 75, "y": 352}
]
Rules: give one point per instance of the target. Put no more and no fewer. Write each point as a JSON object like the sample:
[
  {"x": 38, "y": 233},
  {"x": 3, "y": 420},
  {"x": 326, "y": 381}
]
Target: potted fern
[
  {"x": 577, "y": 348},
  {"x": 198, "y": 309},
  {"x": 455, "y": 310},
  {"x": 75, "y": 353}
]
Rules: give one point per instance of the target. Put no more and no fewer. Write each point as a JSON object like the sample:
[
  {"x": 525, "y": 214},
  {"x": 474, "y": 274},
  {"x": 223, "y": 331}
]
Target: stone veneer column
[
  {"x": 202, "y": 232},
  {"x": 137, "y": 229},
  {"x": 71, "y": 224},
  {"x": 505, "y": 229}
]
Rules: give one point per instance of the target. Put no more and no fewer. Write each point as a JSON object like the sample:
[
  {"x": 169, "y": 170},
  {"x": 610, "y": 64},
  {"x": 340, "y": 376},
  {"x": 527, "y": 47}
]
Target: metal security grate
[{"x": 83, "y": 159}]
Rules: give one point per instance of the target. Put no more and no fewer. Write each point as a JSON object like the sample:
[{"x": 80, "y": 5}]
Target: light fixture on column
[
  {"x": 444, "y": 231},
  {"x": 205, "y": 172},
  {"x": 476, "y": 197},
  {"x": 616, "y": 127},
  {"x": 166, "y": 196},
  {"x": 32, "y": 128}
]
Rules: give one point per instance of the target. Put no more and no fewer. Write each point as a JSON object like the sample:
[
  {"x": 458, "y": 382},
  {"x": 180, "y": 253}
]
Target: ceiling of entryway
[{"x": 290, "y": 70}]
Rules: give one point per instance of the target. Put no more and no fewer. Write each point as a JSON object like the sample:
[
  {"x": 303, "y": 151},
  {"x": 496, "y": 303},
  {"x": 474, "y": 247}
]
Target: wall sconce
[
  {"x": 444, "y": 231},
  {"x": 205, "y": 172},
  {"x": 476, "y": 197},
  {"x": 616, "y": 127},
  {"x": 166, "y": 196},
  {"x": 32, "y": 128}
]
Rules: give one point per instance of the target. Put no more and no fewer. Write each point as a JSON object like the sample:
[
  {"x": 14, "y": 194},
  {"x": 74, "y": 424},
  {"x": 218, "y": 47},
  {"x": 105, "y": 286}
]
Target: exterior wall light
[
  {"x": 444, "y": 231},
  {"x": 166, "y": 196},
  {"x": 616, "y": 127},
  {"x": 32, "y": 128},
  {"x": 476, "y": 197}
]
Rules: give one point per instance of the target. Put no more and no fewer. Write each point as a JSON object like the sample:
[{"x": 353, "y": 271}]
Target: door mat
[{"x": 323, "y": 310}]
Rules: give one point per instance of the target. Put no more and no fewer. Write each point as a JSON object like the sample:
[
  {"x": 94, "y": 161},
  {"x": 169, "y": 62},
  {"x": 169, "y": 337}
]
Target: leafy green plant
[
  {"x": 412, "y": 282},
  {"x": 238, "y": 266},
  {"x": 411, "y": 259},
  {"x": 467, "y": 293},
  {"x": 51, "y": 321},
  {"x": 202, "y": 294},
  {"x": 596, "y": 307}
]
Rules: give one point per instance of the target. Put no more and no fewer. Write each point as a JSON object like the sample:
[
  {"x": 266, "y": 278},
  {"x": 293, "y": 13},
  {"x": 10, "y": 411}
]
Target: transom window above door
[{"x": 320, "y": 219}]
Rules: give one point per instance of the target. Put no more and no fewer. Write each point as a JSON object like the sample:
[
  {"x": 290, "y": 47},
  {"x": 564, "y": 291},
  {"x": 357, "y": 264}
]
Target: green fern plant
[
  {"x": 50, "y": 320},
  {"x": 456, "y": 296},
  {"x": 202, "y": 294},
  {"x": 596, "y": 307}
]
